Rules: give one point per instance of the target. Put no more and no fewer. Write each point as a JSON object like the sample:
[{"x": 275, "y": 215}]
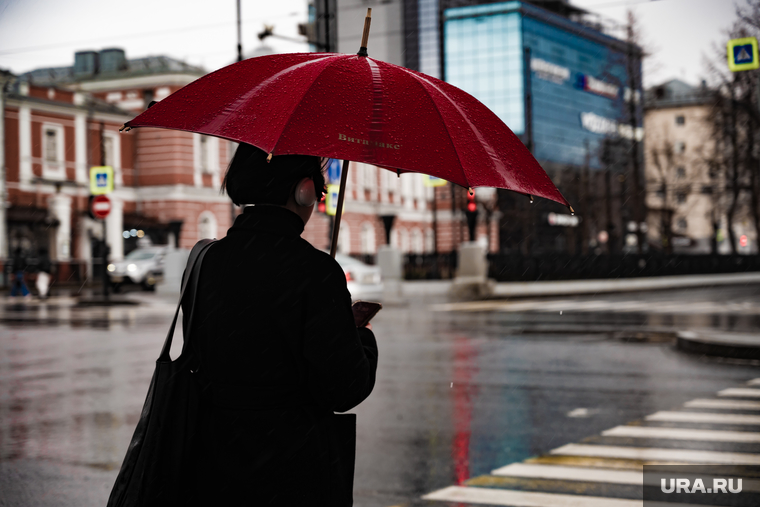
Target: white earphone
[{"x": 305, "y": 193}]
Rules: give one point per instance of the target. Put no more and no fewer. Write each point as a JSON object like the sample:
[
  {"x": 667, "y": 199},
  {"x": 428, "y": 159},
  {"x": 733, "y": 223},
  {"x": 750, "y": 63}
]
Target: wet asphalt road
[{"x": 457, "y": 394}]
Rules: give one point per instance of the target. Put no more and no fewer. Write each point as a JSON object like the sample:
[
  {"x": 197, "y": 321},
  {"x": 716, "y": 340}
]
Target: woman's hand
[{"x": 369, "y": 326}]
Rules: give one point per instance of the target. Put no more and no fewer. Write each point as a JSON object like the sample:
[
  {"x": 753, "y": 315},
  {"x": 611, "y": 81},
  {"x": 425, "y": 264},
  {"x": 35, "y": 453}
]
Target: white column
[
  {"x": 115, "y": 228},
  {"x": 197, "y": 176},
  {"x": 25, "y": 144},
  {"x": 85, "y": 248},
  {"x": 80, "y": 148},
  {"x": 60, "y": 208}
]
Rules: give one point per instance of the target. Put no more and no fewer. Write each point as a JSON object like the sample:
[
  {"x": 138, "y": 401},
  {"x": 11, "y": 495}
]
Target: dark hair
[{"x": 250, "y": 179}]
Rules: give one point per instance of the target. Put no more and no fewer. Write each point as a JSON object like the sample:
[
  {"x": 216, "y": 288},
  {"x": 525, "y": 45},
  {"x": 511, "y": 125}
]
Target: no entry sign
[{"x": 101, "y": 206}]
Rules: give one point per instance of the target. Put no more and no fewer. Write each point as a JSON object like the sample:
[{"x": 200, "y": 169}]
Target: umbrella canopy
[{"x": 352, "y": 107}]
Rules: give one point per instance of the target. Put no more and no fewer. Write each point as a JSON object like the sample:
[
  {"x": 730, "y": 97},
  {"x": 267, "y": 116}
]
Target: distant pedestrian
[
  {"x": 44, "y": 268},
  {"x": 19, "y": 267}
]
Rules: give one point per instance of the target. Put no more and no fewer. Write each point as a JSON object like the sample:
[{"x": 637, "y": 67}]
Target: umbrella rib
[
  {"x": 216, "y": 123},
  {"x": 483, "y": 142},
  {"x": 443, "y": 121},
  {"x": 298, "y": 104}
]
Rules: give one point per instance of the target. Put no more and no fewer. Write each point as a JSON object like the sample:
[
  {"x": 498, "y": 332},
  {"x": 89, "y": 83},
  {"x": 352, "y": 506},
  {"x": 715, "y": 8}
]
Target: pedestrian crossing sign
[
  {"x": 432, "y": 181},
  {"x": 742, "y": 54},
  {"x": 331, "y": 200},
  {"x": 101, "y": 180}
]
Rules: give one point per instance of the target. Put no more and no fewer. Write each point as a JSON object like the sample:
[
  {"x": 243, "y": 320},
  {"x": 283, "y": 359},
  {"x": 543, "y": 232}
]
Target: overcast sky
[{"x": 46, "y": 33}]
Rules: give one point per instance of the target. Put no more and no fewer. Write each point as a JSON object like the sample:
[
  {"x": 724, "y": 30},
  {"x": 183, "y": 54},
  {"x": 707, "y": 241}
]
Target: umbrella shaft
[{"x": 339, "y": 211}]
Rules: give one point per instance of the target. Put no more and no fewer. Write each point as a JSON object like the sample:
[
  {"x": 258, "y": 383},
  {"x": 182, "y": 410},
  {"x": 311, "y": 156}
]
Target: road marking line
[
  {"x": 723, "y": 404},
  {"x": 682, "y": 434},
  {"x": 524, "y": 498},
  {"x": 659, "y": 454},
  {"x": 536, "y": 471},
  {"x": 741, "y": 392},
  {"x": 583, "y": 474},
  {"x": 754, "y": 382},
  {"x": 704, "y": 417}
]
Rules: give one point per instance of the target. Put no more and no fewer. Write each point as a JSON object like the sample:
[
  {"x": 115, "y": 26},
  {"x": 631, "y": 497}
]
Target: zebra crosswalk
[{"x": 607, "y": 471}]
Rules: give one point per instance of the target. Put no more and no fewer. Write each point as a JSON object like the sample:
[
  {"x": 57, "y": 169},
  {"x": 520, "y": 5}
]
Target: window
[
  {"x": 681, "y": 172},
  {"x": 418, "y": 242},
  {"x": 680, "y": 147},
  {"x": 682, "y": 223},
  {"x": 204, "y": 154},
  {"x": 680, "y": 120},
  {"x": 108, "y": 149},
  {"x": 681, "y": 197},
  {"x": 51, "y": 145},
  {"x": 112, "y": 155},
  {"x": 207, "y": 225},
  {"x": 53, "y": 160},
  {"x": 368, "y": 238},
  {"x": 707, "y": 190}
]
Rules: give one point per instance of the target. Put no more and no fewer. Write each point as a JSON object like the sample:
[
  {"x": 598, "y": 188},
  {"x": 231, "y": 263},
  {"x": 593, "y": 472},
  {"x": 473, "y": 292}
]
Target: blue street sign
[
  {"x": 742, "y": 54},
  {"x": 333, "y": 171}
]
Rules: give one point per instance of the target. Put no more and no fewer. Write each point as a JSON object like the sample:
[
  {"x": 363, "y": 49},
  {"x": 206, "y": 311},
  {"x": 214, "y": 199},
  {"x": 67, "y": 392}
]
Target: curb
[{"x": 723, "y": 344}]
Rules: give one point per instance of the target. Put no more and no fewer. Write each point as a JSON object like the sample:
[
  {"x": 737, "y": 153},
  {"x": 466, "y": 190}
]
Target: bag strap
[{"x": 189, "y": 279}]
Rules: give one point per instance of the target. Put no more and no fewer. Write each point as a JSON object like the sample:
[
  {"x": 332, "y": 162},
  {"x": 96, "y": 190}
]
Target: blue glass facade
[
  {"x": 483, "y": 56},
  {"x": 578, "y": 80}
]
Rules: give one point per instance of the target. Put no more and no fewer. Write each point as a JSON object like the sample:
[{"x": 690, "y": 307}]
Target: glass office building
[{"x": 576, "y": 94}]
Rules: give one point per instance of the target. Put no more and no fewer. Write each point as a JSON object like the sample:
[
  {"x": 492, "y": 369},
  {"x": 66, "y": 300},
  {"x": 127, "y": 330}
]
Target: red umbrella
[{"x": 352, "y": 107}]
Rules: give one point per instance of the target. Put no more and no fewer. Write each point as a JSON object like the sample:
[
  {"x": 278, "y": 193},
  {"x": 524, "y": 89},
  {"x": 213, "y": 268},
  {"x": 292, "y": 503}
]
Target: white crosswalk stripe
[
  {"x": 658, "y": 454},
  {"x": 539, "y": 471},
  {"x": 723, "y": 404},
  {"x": 581, "y": 475},
  {"x": 682, "y": 434},
  {"x": 704, "y": 417},
  {"x": 740, "y": 392},
  {"x": 524, "y": 498}
]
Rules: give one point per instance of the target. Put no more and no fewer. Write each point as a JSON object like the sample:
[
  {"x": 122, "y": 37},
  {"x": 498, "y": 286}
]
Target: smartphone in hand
[{"x": 364, "y": 311}]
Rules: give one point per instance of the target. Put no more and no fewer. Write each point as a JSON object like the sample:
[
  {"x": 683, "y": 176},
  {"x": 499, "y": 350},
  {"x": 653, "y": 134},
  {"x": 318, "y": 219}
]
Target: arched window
[
  {"x": 429, "y": 241},
  {"x": 368, "y": 238},
  {"x": 344, "y": 238},
  {"x": 418, "y": 244},
  {"x": 206, "y": 225},
  {"x": 404, "y": 237}
]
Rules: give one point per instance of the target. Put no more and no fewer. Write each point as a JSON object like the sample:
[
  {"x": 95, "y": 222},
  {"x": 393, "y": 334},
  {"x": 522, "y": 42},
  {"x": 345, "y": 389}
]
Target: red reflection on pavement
[{"x": 460, "y": 453}]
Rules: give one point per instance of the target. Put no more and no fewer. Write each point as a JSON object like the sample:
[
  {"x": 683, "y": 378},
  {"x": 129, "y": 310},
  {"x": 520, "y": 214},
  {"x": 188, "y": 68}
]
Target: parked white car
[
  {"x": 144, "y": 266},
  {"x": 364, "y": 281}
]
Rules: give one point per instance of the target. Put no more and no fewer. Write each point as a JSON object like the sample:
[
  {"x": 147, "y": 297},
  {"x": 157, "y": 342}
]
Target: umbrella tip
[
  {"x": 269, "y": 158},
  {"x": 572, "y": 211},
  {"x": 125, "y": 128},
  {"x": 531, "y": 198},
  {"x": 365, "y": 34}
]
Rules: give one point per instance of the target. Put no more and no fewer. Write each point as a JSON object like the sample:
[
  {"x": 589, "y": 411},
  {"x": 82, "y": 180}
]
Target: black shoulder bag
[{"x": 156, "y": 468}]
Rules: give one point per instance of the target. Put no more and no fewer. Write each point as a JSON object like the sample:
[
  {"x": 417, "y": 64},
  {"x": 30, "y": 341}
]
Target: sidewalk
[{"x": 720, "y": 343}]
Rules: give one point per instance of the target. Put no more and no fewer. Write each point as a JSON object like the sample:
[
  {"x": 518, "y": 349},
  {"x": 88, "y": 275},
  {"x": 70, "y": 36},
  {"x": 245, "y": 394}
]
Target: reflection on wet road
[{"x": 458, "y": 394}]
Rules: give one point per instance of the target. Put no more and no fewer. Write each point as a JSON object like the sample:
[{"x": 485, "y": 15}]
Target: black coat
[{"x": 276, "y": 339}]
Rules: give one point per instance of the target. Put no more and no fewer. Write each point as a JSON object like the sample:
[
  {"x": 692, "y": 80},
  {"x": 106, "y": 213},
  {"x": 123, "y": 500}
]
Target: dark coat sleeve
[{"x": 341, "y": 359}]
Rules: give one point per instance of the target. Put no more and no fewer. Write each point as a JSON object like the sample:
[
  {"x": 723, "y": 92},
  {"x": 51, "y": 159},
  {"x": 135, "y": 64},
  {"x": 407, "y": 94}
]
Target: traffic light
[
  {"x": 321, "y": 206},
  {"x": 471, "y": 213}
]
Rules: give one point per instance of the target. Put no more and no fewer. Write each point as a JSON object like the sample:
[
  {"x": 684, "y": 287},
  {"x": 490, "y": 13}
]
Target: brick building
[{"x": 59, "y": 122}]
